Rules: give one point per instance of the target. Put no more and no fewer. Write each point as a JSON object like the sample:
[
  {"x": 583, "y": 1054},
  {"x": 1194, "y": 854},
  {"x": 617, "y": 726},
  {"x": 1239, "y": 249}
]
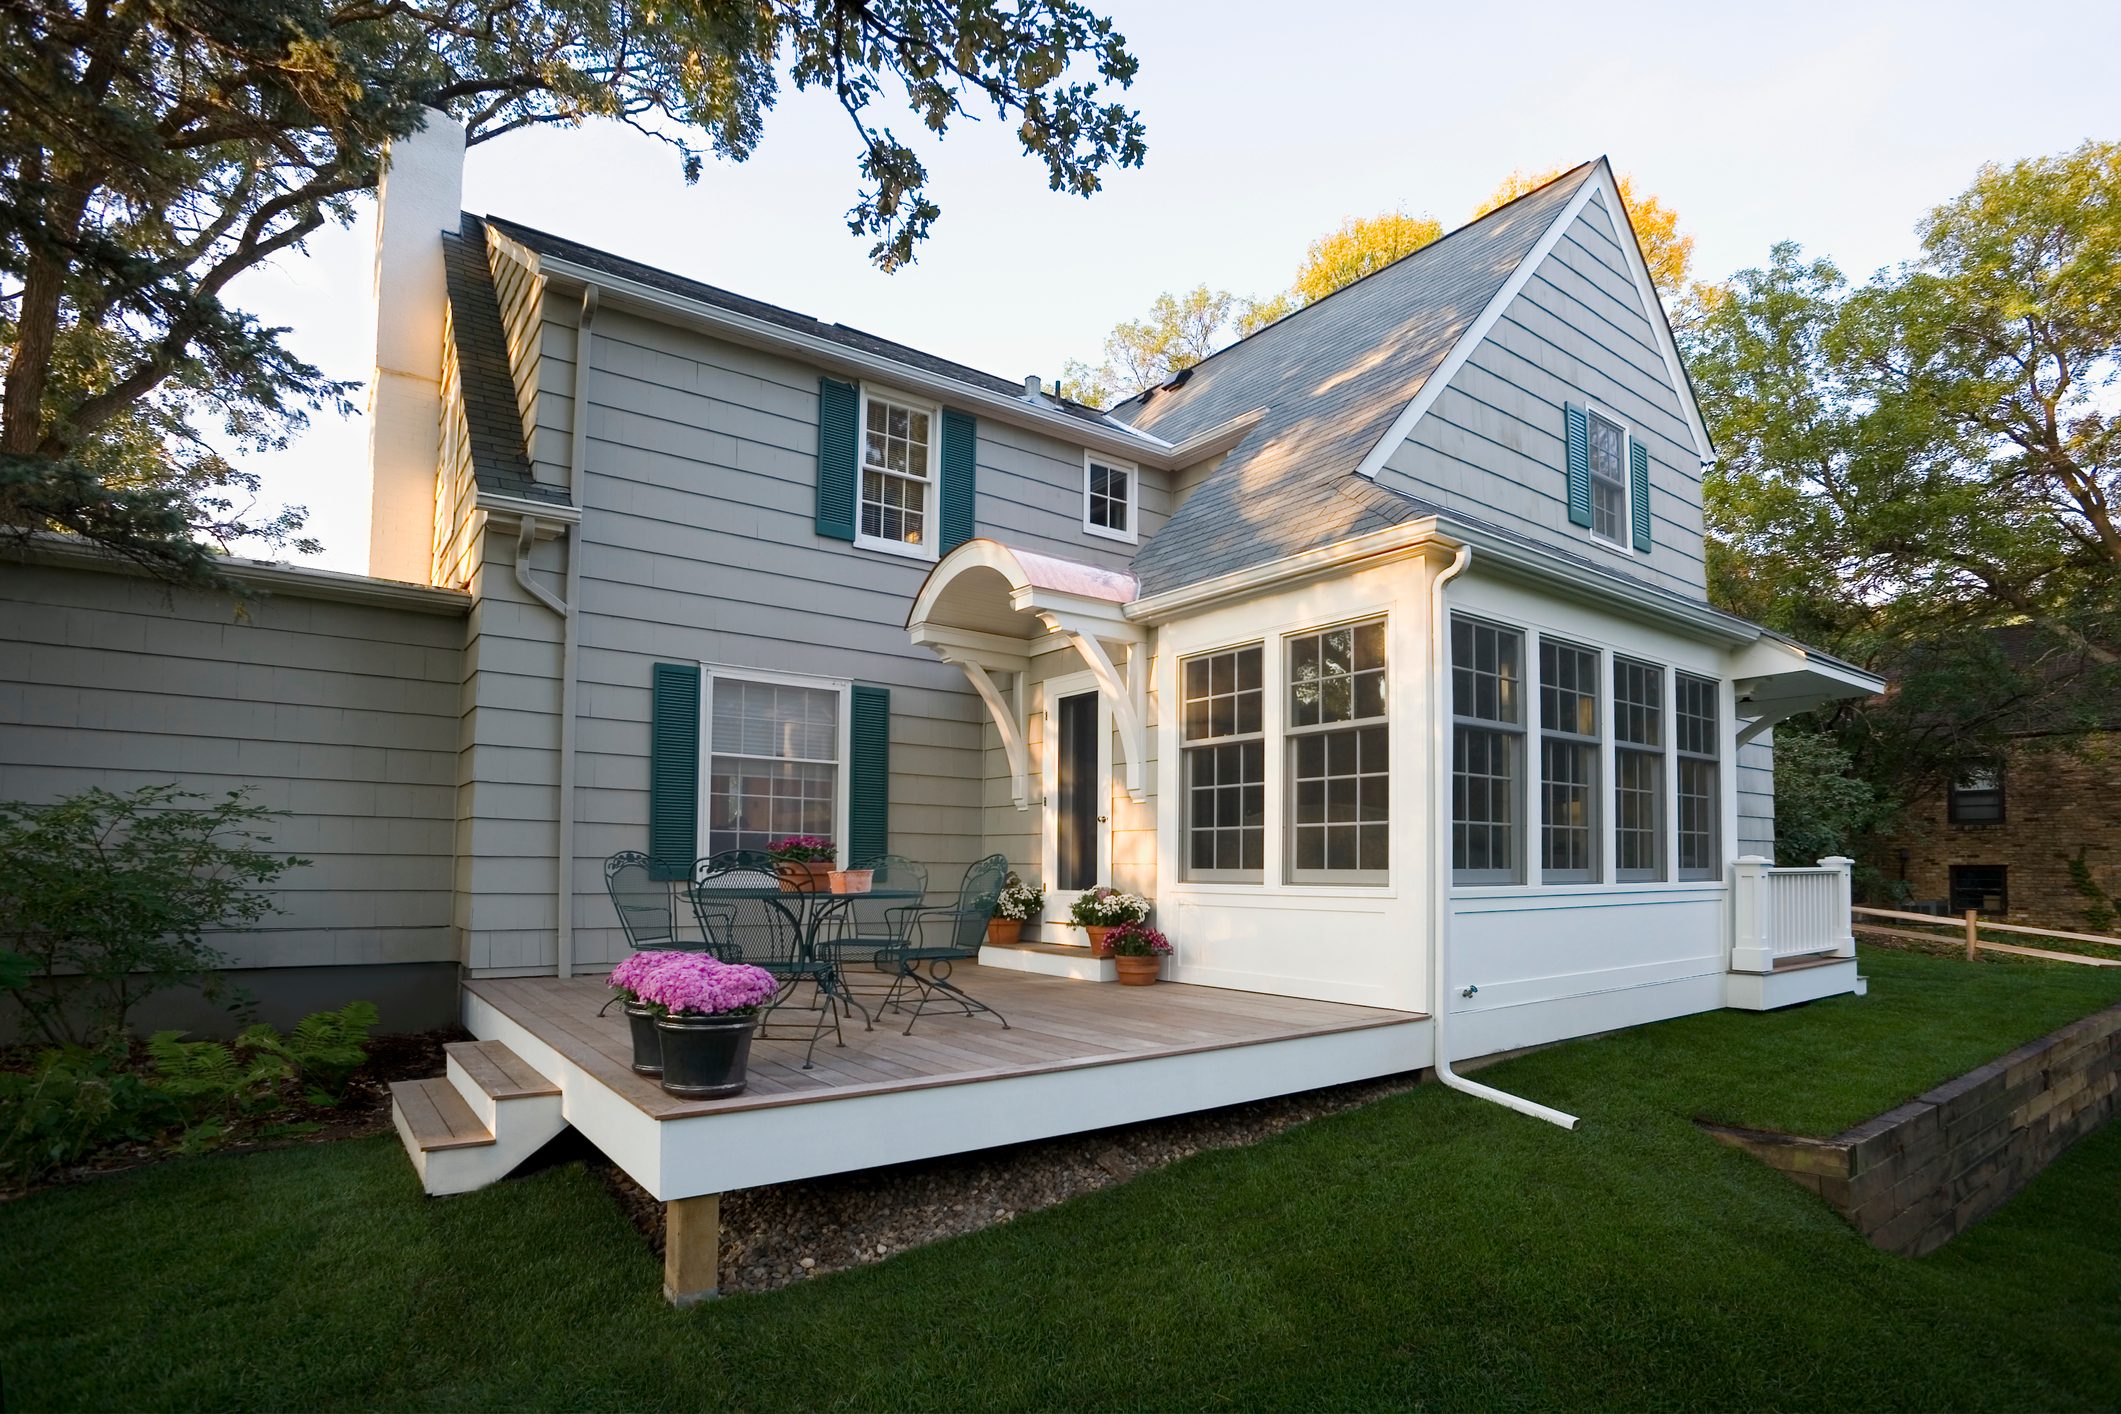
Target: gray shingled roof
[
  {"x": 493, "y": 423},
  {"x": 1332, "y": 377},
  {"x": 575, "y": 253}
]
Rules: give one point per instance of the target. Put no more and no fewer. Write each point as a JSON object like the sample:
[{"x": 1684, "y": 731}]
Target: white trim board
[{"x": 1599, "y": 182}]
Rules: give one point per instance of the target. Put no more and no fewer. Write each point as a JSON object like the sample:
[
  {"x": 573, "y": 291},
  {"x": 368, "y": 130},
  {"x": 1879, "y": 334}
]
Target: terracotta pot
[
  {"x": 1005, "y": 932},
  {"x": 853, "y": 881},
  {"x": 1097, "y": 940},
  {"x": 808, "y": 876},
  {"x": 1138, "y": 971}
]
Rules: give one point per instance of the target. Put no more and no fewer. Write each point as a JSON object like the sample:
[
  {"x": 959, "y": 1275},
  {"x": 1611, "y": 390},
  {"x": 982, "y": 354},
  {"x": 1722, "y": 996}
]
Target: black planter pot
[
  {"x": 647, "y": 1045},
  {"x": 704, "y": 1056}
]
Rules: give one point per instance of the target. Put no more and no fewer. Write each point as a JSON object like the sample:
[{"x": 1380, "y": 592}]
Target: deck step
[
  {"x": 498, "y": 1071},
  {"x": 433, "y": 1116}
]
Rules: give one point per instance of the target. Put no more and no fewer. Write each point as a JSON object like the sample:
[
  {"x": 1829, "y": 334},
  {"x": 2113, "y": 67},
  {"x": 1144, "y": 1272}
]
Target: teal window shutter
[
  {"x": 839, "y": 409},
  {"x": 960, "y": 474},
  {"x": 869, "y": 774},
  {"x": 1639, "y": 492},
  {"x": 674, "y": 768},
  {"x": 1579, "y": 430}
]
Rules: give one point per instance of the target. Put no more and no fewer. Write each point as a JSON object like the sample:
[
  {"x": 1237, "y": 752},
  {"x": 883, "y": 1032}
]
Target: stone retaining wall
[{"x": 1915, "y": 1177}]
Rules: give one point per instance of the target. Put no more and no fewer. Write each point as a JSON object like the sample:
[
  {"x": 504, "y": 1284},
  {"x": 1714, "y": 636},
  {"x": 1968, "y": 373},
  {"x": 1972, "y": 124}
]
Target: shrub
[
  {"x": 107, "y": 897},
  {"x": 74, "y": 1102}
]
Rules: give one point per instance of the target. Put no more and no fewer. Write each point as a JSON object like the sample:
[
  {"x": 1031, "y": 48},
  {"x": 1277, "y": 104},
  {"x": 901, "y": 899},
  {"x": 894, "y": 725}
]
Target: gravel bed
[{"x": 785, "y": 1233}]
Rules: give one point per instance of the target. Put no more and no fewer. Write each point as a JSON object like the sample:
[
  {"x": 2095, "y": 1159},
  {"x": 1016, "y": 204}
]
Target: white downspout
[
  {"x": 570, "y": 634},
  {"x": 1439, "y": 872}
]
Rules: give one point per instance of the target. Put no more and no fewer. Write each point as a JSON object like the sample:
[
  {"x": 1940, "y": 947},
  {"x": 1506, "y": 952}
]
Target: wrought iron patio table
[{"x": 807, "y": 913}]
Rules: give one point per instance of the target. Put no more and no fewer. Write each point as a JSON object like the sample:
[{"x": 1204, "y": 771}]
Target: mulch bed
[
  {"x": 784, "y": 1233},
  {"x": 363, "y": 1111}
]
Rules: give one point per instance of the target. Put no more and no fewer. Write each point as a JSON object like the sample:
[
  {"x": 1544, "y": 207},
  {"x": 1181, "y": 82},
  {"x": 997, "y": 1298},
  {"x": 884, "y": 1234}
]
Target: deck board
[{"x": 1055, "y": 1024}]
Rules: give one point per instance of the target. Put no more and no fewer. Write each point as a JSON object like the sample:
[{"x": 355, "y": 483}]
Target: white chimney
[
  {"x": 1031, "y": 386},
  {"x": 421, "y": 195}
]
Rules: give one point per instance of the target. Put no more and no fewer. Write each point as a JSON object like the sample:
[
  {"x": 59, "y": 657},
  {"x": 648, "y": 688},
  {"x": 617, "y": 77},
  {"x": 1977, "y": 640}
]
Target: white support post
[
  {"x": 1752, "y": 950},
  {"x": 1844, "y": 906}
]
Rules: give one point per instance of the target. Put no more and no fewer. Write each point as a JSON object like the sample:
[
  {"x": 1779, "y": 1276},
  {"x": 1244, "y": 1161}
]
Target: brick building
[{"x": 2001, "y": 840}]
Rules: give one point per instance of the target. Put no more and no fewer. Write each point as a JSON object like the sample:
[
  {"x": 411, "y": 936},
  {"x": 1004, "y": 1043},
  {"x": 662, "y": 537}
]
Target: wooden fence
[{"x": 1971, "y": 926}]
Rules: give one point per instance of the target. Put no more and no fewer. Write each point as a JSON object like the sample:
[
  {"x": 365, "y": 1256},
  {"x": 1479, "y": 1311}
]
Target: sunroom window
[
  {"x": 1339, "y": 756},
  {"x": 1638, "y": 770},
  {"x": 1225, "y": 766},
  {"x": 1698, "y": 733},
  {"x": 1487, "y": 752},
  {"x": 1568, "y": 762}
]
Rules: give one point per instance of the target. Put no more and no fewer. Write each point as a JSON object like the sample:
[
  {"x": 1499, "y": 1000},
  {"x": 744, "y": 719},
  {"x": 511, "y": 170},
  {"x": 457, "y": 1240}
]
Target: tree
[
  {"x": 106, "y": 898},
  {"x": 1668, "y": 252},
  {"x": 151, "y": 153},
  {"x": 1359, "y": 246},
  {"x": 1179, "y": 331}
]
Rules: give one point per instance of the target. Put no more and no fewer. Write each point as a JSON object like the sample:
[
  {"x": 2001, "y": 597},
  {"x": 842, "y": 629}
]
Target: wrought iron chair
[
  {"x": 869, "y": 930},
  {"x": 738, "y": 899},
  {"x": 645, "y": 904},
  {"x": 940, "y": 937}
]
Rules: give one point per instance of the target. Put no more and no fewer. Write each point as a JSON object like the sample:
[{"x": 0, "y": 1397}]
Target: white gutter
[
  {"x": 1439, "y": 874},
  {"x": 571, "y": 640}
]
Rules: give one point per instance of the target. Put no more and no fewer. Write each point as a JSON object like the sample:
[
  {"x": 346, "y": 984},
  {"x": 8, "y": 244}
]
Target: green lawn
[{"x": 1426, "y": 1249}]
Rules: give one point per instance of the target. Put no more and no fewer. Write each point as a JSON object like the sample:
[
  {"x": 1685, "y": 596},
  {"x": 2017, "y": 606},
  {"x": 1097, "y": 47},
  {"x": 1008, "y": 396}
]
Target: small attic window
[
  {"x": 1609, "y": 481},
  {"x": 1110, "y": 491}
]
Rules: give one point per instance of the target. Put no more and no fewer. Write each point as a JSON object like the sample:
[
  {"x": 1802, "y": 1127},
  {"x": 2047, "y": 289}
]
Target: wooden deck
[{"x": 1055, "y": 1024}]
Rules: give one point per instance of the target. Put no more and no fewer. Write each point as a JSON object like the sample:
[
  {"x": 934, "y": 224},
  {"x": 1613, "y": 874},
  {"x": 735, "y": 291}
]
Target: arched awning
[{"x": 986, "y": 606}]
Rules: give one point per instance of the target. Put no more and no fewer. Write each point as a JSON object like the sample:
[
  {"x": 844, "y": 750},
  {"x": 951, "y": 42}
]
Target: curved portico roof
[{"x": 984, "y": 586}]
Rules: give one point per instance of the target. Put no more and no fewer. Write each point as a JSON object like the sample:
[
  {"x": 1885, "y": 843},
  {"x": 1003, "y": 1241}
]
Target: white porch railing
[{"x": 1778, "y": 914}]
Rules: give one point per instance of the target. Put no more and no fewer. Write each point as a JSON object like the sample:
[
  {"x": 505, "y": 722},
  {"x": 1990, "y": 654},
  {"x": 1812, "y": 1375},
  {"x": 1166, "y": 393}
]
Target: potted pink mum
[
  {"x": 1138, "y": 952},
  {"x": 705, "y": 1013},
  {"x": 626, "y": 980}
]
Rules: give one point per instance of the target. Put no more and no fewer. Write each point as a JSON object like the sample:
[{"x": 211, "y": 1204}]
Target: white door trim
[{"x": 1059, "y": 901}]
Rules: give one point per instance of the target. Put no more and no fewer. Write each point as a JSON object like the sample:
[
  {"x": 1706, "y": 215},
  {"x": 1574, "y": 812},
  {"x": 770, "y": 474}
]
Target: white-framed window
[
  {"x": 896, "y": 500},
  {"x": 1487, "y": 752},
  {"x": 1111, "y": 491},
  {"x": 1338, "y": 745},
  {"x": 1638, "y": 770},
  {"x": 1609, "y": 480},
  {"x": 1569, "y": 744},
  {"x": 1223, "y": 700},
  {"x": 774, "y": 747},
  {"x": 1698, "y": 730}
]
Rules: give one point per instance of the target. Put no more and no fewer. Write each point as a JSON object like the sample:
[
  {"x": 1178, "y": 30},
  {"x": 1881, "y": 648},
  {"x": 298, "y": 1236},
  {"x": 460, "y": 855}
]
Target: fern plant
[{"x": 321, "y": 1053}]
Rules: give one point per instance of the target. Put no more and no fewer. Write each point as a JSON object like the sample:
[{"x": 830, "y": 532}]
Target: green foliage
[
  {"x": 73, "y": 1102},
  {"x": 1179, "y": 331},
  {"x": 109, "y": 895},
  {"x": 2102, "y": 910},
  {"x": 155, "y": 153},
  {"x": 1821, "y": 808},
  {"x": 76, "y": 1100}
]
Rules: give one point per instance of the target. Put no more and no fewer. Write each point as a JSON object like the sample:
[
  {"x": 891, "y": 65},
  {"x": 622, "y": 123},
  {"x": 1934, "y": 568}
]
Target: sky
[{"x": 1834, "y": 125}]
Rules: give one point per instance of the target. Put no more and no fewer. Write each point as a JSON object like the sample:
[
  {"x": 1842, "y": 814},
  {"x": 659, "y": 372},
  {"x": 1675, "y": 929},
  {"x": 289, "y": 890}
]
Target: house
[
  {"x": 1374, "y": 648},
  {"x": 2031, "y": 836}
]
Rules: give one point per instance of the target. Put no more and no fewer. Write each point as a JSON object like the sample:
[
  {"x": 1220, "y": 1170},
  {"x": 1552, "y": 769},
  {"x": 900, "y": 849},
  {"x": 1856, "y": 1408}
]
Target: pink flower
[
  {"x": 628, "y": 976},
  {"x": 695, "y": 984}
]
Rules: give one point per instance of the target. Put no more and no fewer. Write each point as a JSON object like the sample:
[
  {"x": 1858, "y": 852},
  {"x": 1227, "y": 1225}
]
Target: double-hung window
[
  {"x": 1108, "y": 498},
  {"x": 1977, "y": 797},
  {"x": 1638, "y": 770},
  {"x": 1338, "y": 749},
  {"x": 897, "y": 507},
  {"x": 1225, "y": 766},
  {"x": 1609, "y": 481},
  {"x": 1568, "y": 762},
  {"x": 774, "y": 761},
  {"x": 1697, "y": 733},
  {"x": 1487, "y": 752}
]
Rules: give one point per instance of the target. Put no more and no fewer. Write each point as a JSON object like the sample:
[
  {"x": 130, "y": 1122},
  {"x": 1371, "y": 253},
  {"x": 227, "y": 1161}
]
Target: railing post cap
[
  {"x": 1754, "y": 859},
  {"x": 1837, "y": 861}
]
